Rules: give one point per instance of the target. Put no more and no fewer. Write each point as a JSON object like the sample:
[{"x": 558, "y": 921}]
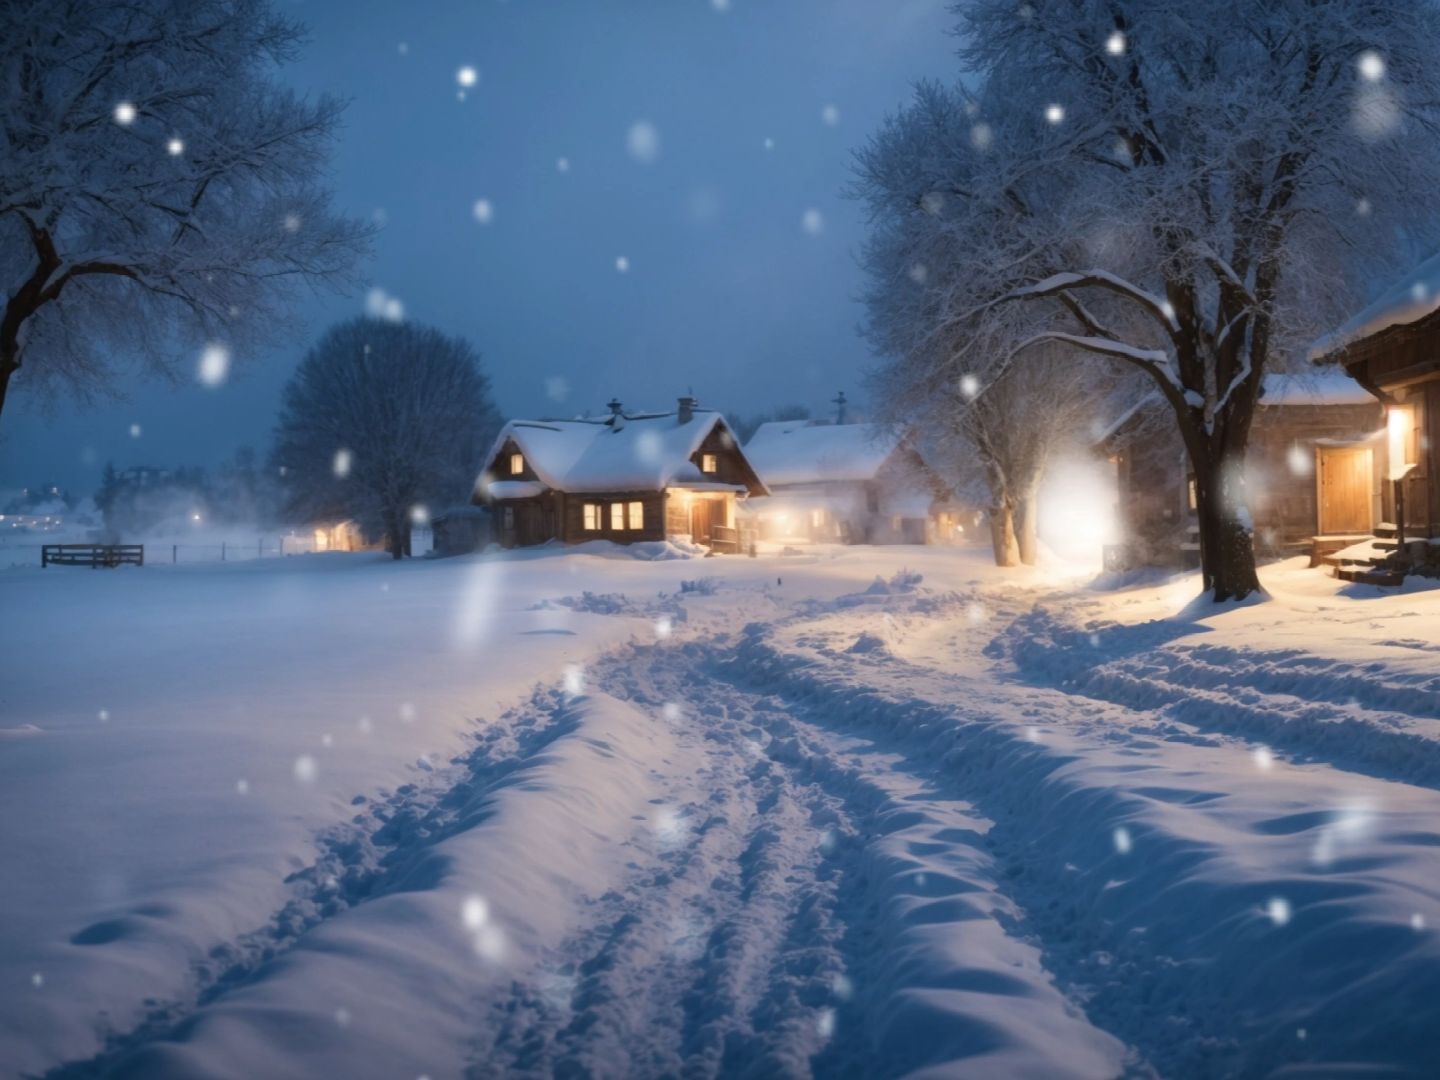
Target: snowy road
[{"x": 900, "y": 831}]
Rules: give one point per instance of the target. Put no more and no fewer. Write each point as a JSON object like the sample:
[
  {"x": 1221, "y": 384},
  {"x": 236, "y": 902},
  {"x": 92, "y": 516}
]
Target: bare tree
[
  {"x": 157, "y": 189},
  {"x": 1193, "y": 193},
  {"x": 380, "y": 421}
]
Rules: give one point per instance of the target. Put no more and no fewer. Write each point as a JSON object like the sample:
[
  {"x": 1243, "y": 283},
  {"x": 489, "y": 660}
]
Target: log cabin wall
[
  {"x": 653, "y": 525},
  {"x": 730, "y": 464},
  {"x": 1284, "y": 500}
]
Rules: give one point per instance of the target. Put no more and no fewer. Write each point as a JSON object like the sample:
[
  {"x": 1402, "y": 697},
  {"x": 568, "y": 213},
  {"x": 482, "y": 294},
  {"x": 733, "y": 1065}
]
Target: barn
[
  {"x": 850, "y": 484},
  {"x": 625, "y": 477}
]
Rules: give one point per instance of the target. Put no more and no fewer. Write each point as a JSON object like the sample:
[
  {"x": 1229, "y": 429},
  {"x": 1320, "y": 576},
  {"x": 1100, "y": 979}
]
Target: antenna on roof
[{"x": 839, "y": 402}]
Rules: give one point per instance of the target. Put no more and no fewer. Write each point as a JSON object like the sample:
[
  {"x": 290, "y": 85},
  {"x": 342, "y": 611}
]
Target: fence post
[
  {"x": 174, "y": 553},
  {"x": 222, "y": 550}
]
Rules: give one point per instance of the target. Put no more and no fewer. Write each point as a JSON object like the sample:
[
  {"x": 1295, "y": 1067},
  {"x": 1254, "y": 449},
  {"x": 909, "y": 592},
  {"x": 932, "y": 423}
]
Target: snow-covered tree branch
[{"x": 157, "y": 188}]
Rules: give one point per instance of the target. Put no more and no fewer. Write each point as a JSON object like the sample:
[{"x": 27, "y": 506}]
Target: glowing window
[
  {"x": 592, "y": 516},
  {"x": 517, "y": 464},
  {"x": 637, "y": 515},
  {"x": 708, "y": 463},
  {"x": 617, "y": 516}
]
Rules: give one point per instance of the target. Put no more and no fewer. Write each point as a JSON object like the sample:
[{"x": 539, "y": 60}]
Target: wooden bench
[{"x": 92, "y": 555}]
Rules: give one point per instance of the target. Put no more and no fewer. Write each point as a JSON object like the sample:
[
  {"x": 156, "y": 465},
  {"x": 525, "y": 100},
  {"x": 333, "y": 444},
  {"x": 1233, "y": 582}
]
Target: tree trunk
[
  {"x": 1002, "y": 534},
  {"x": 1227, "y": 549},
  {"x": 395, "y": 539},
  {"x": 1027, "y": 522}
]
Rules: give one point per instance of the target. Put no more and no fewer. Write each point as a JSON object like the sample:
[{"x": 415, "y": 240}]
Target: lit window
[
  {"x": 707, "y": 463},
  {"x": 817, "y": 518},
  {"x": 517, "y": 464},
  {"x": 637, "y": 515},
  {"x": 617, "y": 516},
  {"x": 592, "y": 516}
]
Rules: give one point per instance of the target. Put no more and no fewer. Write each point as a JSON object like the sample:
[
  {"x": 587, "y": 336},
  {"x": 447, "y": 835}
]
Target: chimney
[
  {"x": 616, "y": 409},
  {"x": 686, "y": 412},
  {"x": 839, "y": 402}
]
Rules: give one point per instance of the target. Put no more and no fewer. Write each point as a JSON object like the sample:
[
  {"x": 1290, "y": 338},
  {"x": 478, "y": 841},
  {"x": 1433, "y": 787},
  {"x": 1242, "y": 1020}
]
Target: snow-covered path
[{"x": 899, "y": 831}]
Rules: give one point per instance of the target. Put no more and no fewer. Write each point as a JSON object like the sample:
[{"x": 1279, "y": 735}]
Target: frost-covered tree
[
  {"x": 381, "y": 421},
  {"x": 1193, "y": 191},
  {"x": 157, "y": 188}
]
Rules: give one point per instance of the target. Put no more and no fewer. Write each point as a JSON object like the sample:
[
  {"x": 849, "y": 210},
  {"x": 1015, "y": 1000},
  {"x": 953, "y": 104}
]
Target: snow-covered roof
[
  {"x": 1318, "y": 388},
  {"x": 804, "y": 452},
  {"x": 1408, "y": 300},
  {"x": 645, "y": 452}
]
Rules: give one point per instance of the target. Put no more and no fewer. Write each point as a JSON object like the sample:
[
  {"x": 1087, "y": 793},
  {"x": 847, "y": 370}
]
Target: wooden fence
[{"x": 92, "y": 555}]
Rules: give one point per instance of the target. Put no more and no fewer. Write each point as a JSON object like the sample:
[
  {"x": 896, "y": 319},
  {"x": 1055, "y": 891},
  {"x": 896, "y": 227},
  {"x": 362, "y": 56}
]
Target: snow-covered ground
[{"x": 589, "y": 814}]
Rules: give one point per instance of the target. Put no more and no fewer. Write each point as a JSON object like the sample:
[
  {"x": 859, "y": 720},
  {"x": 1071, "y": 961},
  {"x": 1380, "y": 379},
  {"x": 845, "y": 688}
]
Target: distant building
[
  {"x": 850, "y": 484},
  {"x": 624, "y": 477}
]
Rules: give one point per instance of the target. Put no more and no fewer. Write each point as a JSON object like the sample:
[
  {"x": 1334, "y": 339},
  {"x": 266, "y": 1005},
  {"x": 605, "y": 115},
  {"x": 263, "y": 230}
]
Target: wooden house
[
  {"x": 1312, "y": 473},
  {"x": 1392, "y": 349},
  {"x": 850, "y": 484},
  {"x": 625, "y": 477}
]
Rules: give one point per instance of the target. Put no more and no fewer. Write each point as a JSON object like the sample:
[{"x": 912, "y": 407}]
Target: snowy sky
[{"x": 730, "y": 287}]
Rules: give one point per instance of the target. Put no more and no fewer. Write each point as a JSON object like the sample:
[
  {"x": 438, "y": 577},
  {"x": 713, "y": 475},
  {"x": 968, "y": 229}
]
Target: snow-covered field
[{"x": 588, "y": 814}]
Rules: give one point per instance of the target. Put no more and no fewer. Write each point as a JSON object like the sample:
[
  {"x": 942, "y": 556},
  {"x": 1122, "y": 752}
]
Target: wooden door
[
  {"x": 1345, "y": 478},
  {"x": 700, "y": 521},
  {"x": 529, "y": 525}
]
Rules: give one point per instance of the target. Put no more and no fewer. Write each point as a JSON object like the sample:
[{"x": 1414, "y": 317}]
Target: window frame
[
  {"x": 617, "y": 517},
  {"x": 635, "y": 514},
  {"x": 592, "y": 516},
  {"x": 517, "y": 463},
  {"x": 709, "y": 464}
]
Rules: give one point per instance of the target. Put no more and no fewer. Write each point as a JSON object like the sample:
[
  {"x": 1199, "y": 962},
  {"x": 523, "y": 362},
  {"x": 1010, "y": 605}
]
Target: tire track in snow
[
  {"x": 385, "y": 848},
  {"x": 853, "y": 923}
]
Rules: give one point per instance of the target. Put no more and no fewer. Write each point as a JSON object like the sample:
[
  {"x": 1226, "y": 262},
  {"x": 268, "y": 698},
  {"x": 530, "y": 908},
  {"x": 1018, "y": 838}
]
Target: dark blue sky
[{"x": 727, "y": 291}]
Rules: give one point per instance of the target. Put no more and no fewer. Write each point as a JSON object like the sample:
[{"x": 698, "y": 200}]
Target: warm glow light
[
  {"x": 1077, "y": 510},
  {"x": 1399, "y": 422}
]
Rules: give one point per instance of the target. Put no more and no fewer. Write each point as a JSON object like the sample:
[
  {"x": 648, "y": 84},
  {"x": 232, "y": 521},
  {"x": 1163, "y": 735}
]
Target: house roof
[
  {"x": 643, "y": 452},
  {"x": 1408, "y": 300},
  {"x": 804, "y": 452},
  {"x": 1317, "y": 388}
]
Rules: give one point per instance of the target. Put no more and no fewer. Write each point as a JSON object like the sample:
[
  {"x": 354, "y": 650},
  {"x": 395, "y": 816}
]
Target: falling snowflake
[
  {"x": 483, "y": 210},
  {"x": 1371, "y": 65},
  {"x": 104, "y": 716},
  {"x": 981, "y": 136},
  {"x": 1032, "y": 734},
  {"x": 242, "y": 786},
  {"x": 663, "y": 627},
  {"x": 327, "y": 740},
  {"x": 134, "y": 431},
  {"x": 214, "y": 364},
  {"x": 1362, "y": 208},
  {"x": 364, "y": 725},
  {"x": 1115, "y": 44},
  {"x": 813, "y": 222},
  {"x": 975, "y": 613},
  {"x": 1121, "y": 837},
  {"x": 1299, "y": 462},
  {"x": 841, "y": 986},
  {"x": 381, "y": 305},
  {"x": 467, "y": 76},
  {"x": 622, "y": 264},
  {"x": 342, "y": 1016},
  {"x": 649, "y": 447},
  {"x": 1055, "y": 113},
  {"x": 670, "y": 711},
  {"x": 37, "y": 980},
  {"x": 933, "y": 203},
  {"x": 419, "y": 515},
  {"x": 970, "y": 386},
  {"x": 1278, "y": 911},
  {"x": 403, "y": 48},
  {"x": 407, "y": 713},
  {"x": 1263, "y": 758},
  {"x": 769, "y": 143},
  {"x": 720, "y": 5},
  {"x": 574, "y": 680},
  {"x": 643, "y": 141},
  {"x": 830, "y": 116},
  {"x": 474, "y": 912},
  {"x": 825, "y": 1023},
  {"x": 340, "y": 466},
  {"x": 125, "y": 114},
  {"x": 306, "y": 770},
  {"x": 175, "y": 147},
  {"x": 1417, "y": 922},
  {"x": 918, "y": 273},
  {"x": 557, "y": 387}
]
